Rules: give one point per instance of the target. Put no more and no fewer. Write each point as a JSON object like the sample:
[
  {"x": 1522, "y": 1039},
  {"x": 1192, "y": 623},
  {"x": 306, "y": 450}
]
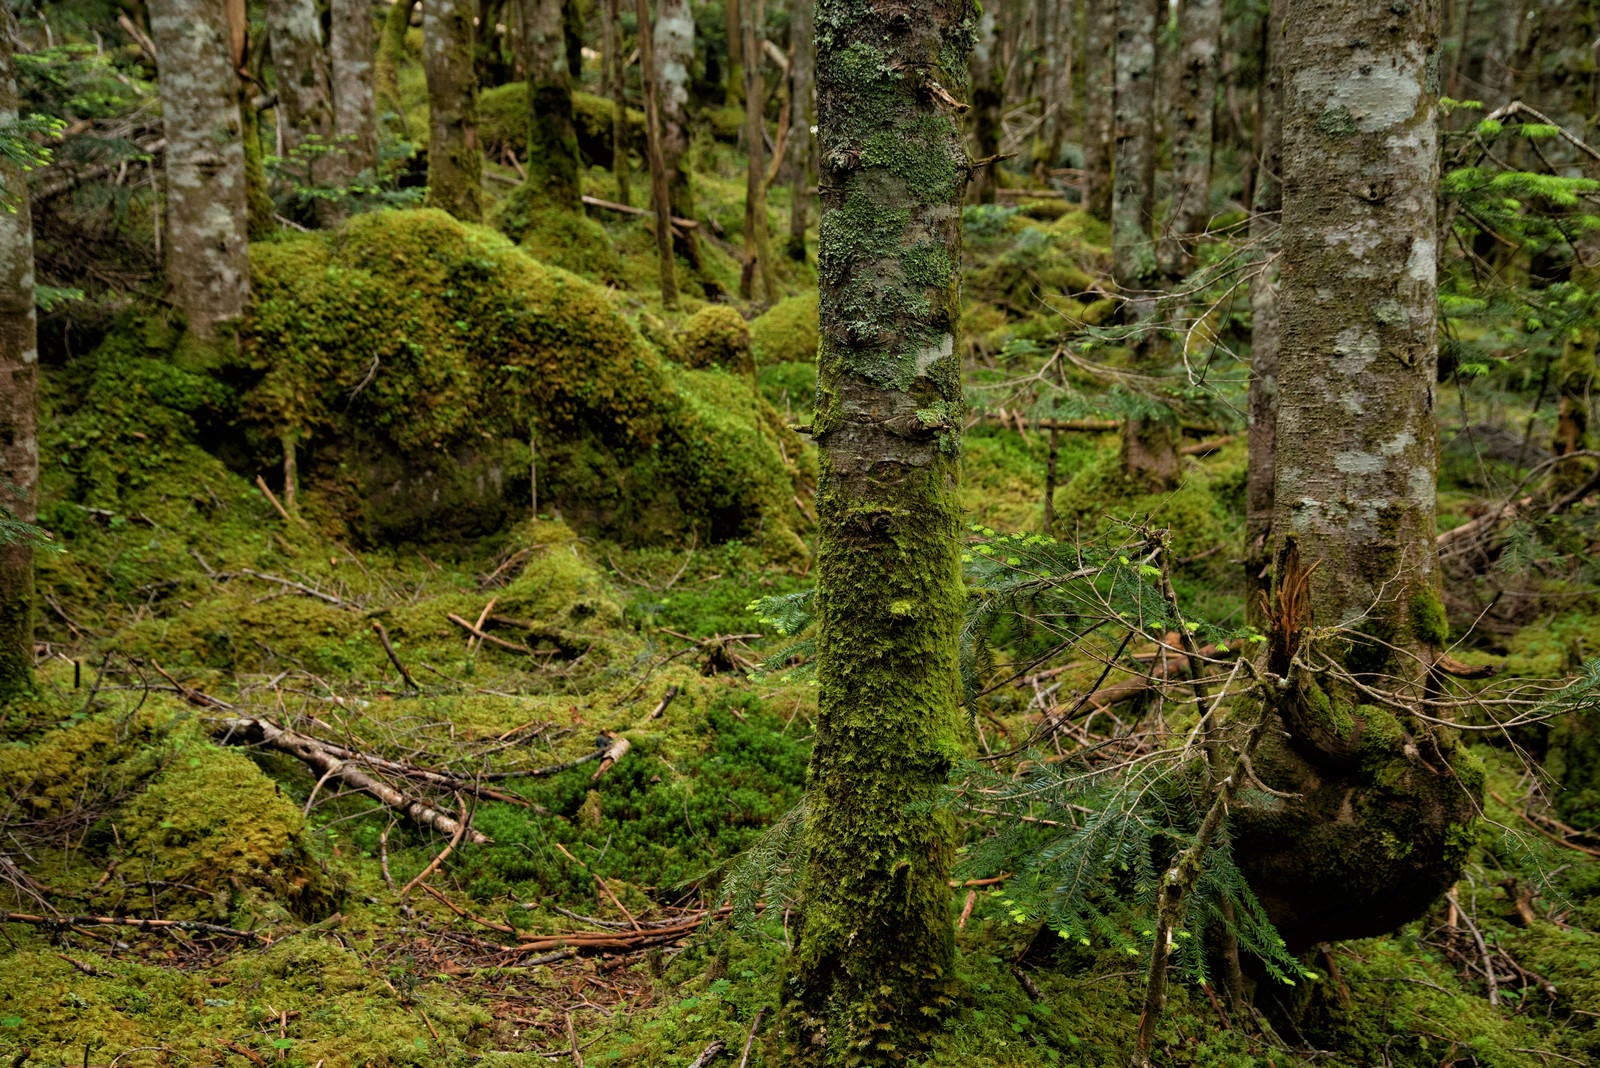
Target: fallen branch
[
  {"x": 709, "y": 1054},
  {"x": 626, "y": 209},
  {"x": 299, "y": 587},
  {"x": 253, "y": 730},
  {"x": 394, "y": 658},
  {"x": 666, "y": 700},
  {"x": 614, "y": 753},
  {"x": 433, "y": 866},
  {"x": 501, "y": 642},
  {"x": 59, "y": 922}
]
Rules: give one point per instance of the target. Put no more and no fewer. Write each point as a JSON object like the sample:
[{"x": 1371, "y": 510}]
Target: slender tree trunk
[
  {"x": 802, "y": 142},
  {"x": 355, "y": 121},
  {"x": 988, "y": 97},
  {"x": 876, "y": 948},
  {"x": 300, "y": 65},
  {"x": 674, "y": 40},
  {"x": 1382, "y": 805},
  {"x": 1263, "y": 397},
  {"x": 757, "y": 244},
  {"x": 392, "y": 53},
  {"x": 660, "y": 197},
  {"x": 1099, "y": 48},
  {"x": 260, "y": 214},
  {"x": 455, "y": 165},
  {"x": 208, "y": 262},
  {"x": 1500, "y": 58},
  {"x": 621, "y": 164},
  {"x": 19, "y": 386},
  {"x": 734, "y": 21},
  {"x": 552, "y": 131},
  {"x": 1191, "y": 135},
  {"x": 1133, "y": 189}
]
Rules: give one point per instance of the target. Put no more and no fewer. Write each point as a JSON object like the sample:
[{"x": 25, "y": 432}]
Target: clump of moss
[
  {"x": 717, "y": 336},
  {"x": 503, "y": 123},
  {"x": 787, "y": 332},
  {"x": 565, "y": 239}
]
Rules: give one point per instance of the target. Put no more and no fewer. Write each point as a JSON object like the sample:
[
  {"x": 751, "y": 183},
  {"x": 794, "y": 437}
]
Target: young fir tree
[
  {"x": 19, "y": 381},
  {"x": 1379, "y": 823},
  {"x": 207, "y": 251},
  {"x": 876, "y": 946}
]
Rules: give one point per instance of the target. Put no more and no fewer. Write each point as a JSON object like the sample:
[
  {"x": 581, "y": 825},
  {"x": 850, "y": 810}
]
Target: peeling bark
[
  {"x": 455, "y": 165},
  {"x": 208, "y": 265},
  {"x": 876, "y": 946}
]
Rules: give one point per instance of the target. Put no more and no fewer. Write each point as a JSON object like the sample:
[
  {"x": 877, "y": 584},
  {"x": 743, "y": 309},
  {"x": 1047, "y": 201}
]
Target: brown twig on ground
[
  {"x": 433, "y": 866},
  {"x": 966, "y": 910},
  {"x": 709, "y": 1054},
  {"x": 125, "y": 921},
  {"x": 572, "y": 1037},
  {"x": 394, "y": 658},
  {"x": 666, "y": 699},
  {"x": 253, "y": 730},
  {"x": 614, "y": 753},
  {"x": 1483, "y": 948},
  {"x": 249, "y": 1055},
  {"x": 299, "y": 587},
  {"x": 750, "y": 1039},
  {"x": 472, "y": 640},
  {"x": 501, "y": 642}
]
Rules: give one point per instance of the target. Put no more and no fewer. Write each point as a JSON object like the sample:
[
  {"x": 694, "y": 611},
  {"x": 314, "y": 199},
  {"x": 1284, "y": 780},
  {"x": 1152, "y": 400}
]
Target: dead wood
[
  {"x": 666, "y": 699},
  {"x": 253, "y": 730},
  {"x": 500, "y": 642},
  {"x": 298, "y": 587},
  {"x": 394, "y": 658},
  {"x": 709, "y": 1054},
  {"x": 126, "y": 921},
  {"x": 614, "y": 752}
]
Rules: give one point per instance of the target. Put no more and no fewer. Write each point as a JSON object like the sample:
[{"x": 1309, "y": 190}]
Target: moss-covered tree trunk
[
  {"x": 1201, "y": 31},
  {"x": 19, "y": 387},
  {"x": 552, "y": 130},
  {"x": 660, "y": 195},
  {"x": 1099, "y": 75},
  {"x": 1263, "y": 397},
  {"x": 351, "y": 53},
  {"x": 621, "y": 164},
  {"x": 208, "y": 265},
  {"x": 300, "y": 71},
  {"x": 733, "y": 20},
  {"x": 1382, "y": 822},
  {"x": 757, "y": 243},
  {"x": 674, "y": 40},
  {"x": 391, "y": 54},
  {"x": 802, "y": 143},
  {"x": 876, "y": 947},
  {"x": 455, "y": 164}
]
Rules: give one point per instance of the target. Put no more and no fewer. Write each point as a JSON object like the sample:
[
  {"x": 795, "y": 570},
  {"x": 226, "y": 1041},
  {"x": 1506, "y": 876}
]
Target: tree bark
[
  {"x": 1383, "y": 819},
  {"x": 300, "y": 66},
  {"x": 1191, "y": 135},
  {"x": 455, "y": 166},
  {"x": 660, "y": 197},
  {"x": 391, "y": 53},
  {"x": 355, "y": 122},
  {"x": 757, "y": 244},
  {"x": 674, "y": 53},
  {"x": 802, "y": 141},
  {"x": 1099, "y": 47},
  {"x": 876, "y": 947},
  {"x": 208, "y": 264},
  {"x": 734, "y": 22},
  {"x": 19, "y": 386},
  {"x": 988, "y": 97},
  {"x": 1263, "y": 396},
  {"x": 1133, "y": 185},
  {"x": 552, "y": 162},
  {"x": 621, "y": 165}
]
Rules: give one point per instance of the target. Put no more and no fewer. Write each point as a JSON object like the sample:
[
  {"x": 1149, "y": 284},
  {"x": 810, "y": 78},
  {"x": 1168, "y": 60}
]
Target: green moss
[
  {"x": 717, "y": 336},
  {"x": 1429, "y": 622},
  {"x": 787, "y": 332},
  {"x": 566, "y": 239}
]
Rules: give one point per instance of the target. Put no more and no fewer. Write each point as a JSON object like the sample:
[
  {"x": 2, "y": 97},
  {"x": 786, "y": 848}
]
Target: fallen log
[{"x": 125, "y": 921}]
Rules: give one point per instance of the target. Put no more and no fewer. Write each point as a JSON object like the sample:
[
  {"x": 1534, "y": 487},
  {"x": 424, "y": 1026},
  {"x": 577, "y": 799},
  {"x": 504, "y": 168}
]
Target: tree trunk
[
  {"x": 674, "y": 52},
  {"x": 1383, "y": 819},
  {"x": 355, "y": 122},
  {"x": 552, "y": 132},
  {"x": 1099, "y": 49},
  {"x": 19, "y": 386},
  {"x": 455, "y": 166},
  {"x": 988, "y": 97},
  {"x": 1263, "y": 398},
  {"x": 757, "y": 245},
  {"x": 802, "y": 142},
  {"x": 734, "y": 20},
  {"x": 392, "y": 53},
  {"x": 1133, "y": 187},
  {"x": 876, "y": 948},
  {"x": 660, "y": 197},
  {"x": 1191, "y": 135},
  {"x": 621, "y": 165},
  {"x": 300, "y": 67},
  {"x": 208, "y": 262}
]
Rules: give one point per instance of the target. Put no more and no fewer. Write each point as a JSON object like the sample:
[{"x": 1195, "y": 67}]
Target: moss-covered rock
[
  {"x": 414, "y": 358},
  {"x": 787, "y": 332},
  {"x": 717, "y": 336}
]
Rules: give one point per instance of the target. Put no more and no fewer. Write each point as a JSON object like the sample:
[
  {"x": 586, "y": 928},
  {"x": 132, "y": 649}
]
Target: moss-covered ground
[{"x": 426, "y": 376}]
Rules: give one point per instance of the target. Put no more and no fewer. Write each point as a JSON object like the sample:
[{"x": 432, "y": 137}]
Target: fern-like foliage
[{"x": 768, "y": 873}]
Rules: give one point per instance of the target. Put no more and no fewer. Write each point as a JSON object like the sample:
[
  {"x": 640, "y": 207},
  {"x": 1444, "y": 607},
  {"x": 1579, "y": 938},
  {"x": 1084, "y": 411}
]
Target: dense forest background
[{"x": 461, "y": 464}]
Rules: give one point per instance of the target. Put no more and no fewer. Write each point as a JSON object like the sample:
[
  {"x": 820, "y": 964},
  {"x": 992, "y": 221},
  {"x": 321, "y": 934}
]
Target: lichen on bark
[{"x": 876, "y": 945}]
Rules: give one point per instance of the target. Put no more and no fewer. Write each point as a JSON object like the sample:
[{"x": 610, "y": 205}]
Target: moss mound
[
  {"x": 413, "y": 358},
  {"x": 717, "y": 336},
  {"x": 787, "y": 332},
  {"x": 503, "y": 123},
  {"x": 565, "y": 239}
]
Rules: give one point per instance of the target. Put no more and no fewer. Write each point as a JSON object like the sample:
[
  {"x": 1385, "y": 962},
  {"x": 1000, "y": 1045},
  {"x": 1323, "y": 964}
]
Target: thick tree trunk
[
  {"x": 19, "y": 387},
  {"x": 300, "y": 66},
  {"x": 802, "y": 142},
  {"x": 455, "y": 165},
  {"x": 208, "y": 263},
  {"x": 621, "y": 165},
  {"x": 1201, "y": 30},
  {"x": 1133, "y": 187},
  {"x": 674, "y": 40},
  {"x": 876, "y": 947},
  {"x": 1263, "y": 398},
  {"x": 988, "y": 97},
  {"x": 1383, "y": 819},
  {"x": 552, "y": 132},
  {"x": 355, "y": 123},
  {"x": 1099, "y": 68},
  {"x": 660, "y": 196},
  {"x": 757, "y": 244},
  {"x": 392, "y": 53}
]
